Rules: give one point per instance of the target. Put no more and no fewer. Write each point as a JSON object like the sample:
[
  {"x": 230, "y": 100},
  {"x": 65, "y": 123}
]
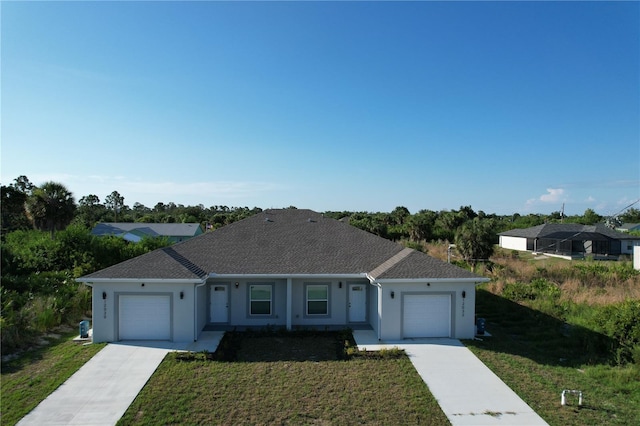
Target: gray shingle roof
[
  {"x": 151, "y": 229},
  {"x": 420, "y": 265},
  {"x": 569, "y": 231},
  {"x": 629, "y": 226},
  {"x": 283, "y": 242}
]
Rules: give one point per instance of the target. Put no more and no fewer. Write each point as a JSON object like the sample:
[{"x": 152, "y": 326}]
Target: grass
[
  {"x": 539, "y": 356},
  {"x": 296, "y": 379},
  {"x": 30, "y": 378},
  {"x": 582, "y": 281}
]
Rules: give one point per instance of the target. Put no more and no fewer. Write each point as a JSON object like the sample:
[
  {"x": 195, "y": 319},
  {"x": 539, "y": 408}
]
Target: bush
[
  {"x": 414, "y": 245},
  {"x": 539, "y": 288},
  {"x": 31, "y": 251},
  {"x": 545, "y": 289},
  {"x": 518, "y": 291},
  {"x": 25, "y": 314},
  {"x": 620, "y": 322},
  {"x": 38, "y": 289}
]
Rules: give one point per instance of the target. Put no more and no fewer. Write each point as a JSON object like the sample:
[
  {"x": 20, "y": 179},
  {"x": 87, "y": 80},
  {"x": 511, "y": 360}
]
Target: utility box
[
  {"x": 480, "y": 322},
  {"x": 84, "y": 329}
]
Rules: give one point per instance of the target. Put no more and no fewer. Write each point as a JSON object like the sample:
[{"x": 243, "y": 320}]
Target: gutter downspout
[
  {"x": 379, "y": 311},
  {"x": 195, "y": 309},
  {"x": 289, "y": 303}
]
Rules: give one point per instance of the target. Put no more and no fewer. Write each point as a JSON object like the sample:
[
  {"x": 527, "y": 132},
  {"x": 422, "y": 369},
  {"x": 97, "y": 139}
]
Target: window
[
  {"x": 318, "y": 299},
  {"x": 260, "y": 299}
]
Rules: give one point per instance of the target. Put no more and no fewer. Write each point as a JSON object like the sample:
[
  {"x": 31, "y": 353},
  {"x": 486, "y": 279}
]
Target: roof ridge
[
  {"x": 391, "y": 262},
  {"x": 190, "y": 266}
]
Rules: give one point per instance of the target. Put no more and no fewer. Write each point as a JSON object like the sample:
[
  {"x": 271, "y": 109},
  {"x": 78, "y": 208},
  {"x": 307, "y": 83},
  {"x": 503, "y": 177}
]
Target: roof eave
[
  {"x": 293, "y": 276},
  {"x": 429, "y": 280},
  {"x": 90, "y": 281}
]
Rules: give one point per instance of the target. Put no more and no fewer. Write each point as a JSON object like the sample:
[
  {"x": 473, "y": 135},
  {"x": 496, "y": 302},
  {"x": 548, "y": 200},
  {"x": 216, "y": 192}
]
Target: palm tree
[
  {"x": 475, "y": 240},
  {"x": 50, "y": 207}
]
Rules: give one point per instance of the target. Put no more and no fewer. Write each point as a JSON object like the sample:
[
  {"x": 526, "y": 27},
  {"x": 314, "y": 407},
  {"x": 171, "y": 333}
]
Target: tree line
[{"x": 52, "y": 207}]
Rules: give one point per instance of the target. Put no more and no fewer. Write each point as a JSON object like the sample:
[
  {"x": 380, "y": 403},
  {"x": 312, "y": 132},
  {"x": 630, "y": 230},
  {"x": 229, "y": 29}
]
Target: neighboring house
[
  {"x": 628, "y": 227},
  {"x": 570, "y": 239},
  {"x": 286, "y": 268},
  {"x": 135, "y": 232}
]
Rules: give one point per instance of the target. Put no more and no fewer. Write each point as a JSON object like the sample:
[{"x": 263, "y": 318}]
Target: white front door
[
  {"x": 357, "y": 302},
  {"x": 220, "y": 303}
]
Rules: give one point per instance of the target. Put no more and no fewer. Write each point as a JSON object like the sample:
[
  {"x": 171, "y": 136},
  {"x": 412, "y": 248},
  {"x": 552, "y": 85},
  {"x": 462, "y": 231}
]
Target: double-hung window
[
  {"x": 260, "y": 297},
  {"x": 317, "y": 299}
]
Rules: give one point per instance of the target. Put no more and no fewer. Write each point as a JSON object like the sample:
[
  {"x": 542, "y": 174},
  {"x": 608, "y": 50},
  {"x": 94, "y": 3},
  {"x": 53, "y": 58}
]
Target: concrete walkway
[
  {"x": 100, "y": 392},
  {"x": 467, "y": 391}
]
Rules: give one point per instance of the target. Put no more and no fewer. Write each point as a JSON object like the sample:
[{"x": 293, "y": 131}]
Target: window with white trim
[
  {"x": 260, "y": 297},
  {"x": 317, "y": 299}
]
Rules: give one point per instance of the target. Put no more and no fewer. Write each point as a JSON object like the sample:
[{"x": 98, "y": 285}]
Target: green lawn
[
  {"x": 539, "y": 356},
  {"x": 29, "y": 379},
  {"x": 258, "y": 389}
]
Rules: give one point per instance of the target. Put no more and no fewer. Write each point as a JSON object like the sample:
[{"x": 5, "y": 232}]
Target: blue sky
[{"x": 363, "y": 106}]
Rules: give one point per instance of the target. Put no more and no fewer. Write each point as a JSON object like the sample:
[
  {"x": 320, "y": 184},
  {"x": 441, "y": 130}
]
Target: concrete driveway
[
  {"x": 467, "y": 391},
  {"x": 100, "y": 392}
]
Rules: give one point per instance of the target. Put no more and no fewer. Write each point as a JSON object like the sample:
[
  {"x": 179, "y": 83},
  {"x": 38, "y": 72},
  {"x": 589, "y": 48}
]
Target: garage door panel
[
  {"x": 144, "y": 317},
  {"x": 426, "y": 315}
]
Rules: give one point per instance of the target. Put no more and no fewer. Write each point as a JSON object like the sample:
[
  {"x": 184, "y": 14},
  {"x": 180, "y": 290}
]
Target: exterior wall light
[
  {"x": 237, "y": 284},
  {"x": 104, "y": 295},
  {"x": 393, "y": 294},
  {"x": 182, "y": 295},
  {"x": 340, "y": 284},
  {"x": 464, "y": 294}
]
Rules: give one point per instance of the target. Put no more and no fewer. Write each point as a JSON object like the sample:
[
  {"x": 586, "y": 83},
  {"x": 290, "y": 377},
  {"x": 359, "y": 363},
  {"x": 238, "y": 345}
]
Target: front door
[
  {"x": 357, "y": 302},
  {"x": 220, "y": 303}
]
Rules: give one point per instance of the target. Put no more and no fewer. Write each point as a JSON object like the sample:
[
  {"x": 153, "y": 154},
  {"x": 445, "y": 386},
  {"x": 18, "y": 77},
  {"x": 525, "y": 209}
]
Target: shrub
[
  {"x": 545, "y": 289},
  {"x": 517, "y": 291},
  {"x": 620, "y": 322},
  {"x": 393, "y": 353},
  {"x": 45, "y": 301},
  {"x": 414, "y": 245},
  {"x": 47, "y": 313},
  {"x": 539, "y": 288}
]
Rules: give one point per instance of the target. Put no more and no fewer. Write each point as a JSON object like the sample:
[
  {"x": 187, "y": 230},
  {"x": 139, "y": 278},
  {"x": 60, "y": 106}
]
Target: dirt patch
[
  {"x": 267, "y": 346},
  {"x": 290, "y": 348}
]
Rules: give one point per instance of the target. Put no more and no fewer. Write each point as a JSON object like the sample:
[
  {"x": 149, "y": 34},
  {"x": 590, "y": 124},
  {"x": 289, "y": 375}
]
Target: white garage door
[
  {"x": 145, "y": 317},
  {"x": 426, "y": 315}
]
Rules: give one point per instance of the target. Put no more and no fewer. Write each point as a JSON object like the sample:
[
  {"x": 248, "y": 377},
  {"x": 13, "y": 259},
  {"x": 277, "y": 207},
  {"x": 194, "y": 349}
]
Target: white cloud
[
  {"x": 553, "y": 195},
  {"x": 590, "y": 199}
]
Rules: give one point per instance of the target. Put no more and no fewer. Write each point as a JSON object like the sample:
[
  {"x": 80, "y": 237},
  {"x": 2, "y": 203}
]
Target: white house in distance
[
  {"x": 286, "y": 268},
  {"x": 570, "y": 240}
]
